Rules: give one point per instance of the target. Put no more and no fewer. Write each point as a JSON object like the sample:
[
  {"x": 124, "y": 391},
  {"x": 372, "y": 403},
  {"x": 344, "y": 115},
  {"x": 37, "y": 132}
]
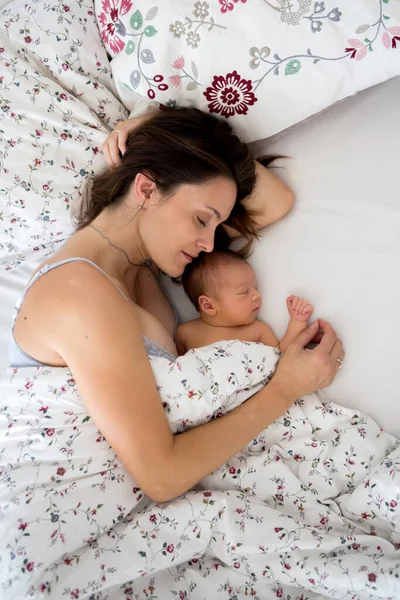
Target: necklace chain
[{"x": 147, "y": 262}]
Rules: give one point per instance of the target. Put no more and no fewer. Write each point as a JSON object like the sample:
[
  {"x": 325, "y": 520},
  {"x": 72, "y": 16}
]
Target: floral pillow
[{"x": 265, "y": 65}]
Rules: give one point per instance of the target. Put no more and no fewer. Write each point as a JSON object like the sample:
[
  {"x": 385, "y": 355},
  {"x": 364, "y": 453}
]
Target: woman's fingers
[
  {"x": 122, "y": 139},
  {"x": 328, "y": 338},
  {"x": 337, "y": 349},
  {"x": 106, "y": 154},
  {"x": 305, "y": 336},
  {"x": 113, "y": 147}
]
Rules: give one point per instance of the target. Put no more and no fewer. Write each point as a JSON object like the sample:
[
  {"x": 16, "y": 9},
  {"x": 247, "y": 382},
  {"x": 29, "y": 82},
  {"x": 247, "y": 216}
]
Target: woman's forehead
[{"x": 216, "y": 195}]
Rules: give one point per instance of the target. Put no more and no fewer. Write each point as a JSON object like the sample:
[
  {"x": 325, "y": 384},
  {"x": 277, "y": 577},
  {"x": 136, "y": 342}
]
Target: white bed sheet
[{"x": 340, "y": 245}]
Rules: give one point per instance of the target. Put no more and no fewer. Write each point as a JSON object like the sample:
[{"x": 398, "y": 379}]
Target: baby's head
[{"x": 223, "y": 288}]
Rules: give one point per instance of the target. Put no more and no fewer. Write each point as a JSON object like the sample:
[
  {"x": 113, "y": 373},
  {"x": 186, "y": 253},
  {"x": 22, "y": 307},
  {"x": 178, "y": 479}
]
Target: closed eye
[
  {"x": 202, "y": 223},
  {"x": 243, "y": 293}
]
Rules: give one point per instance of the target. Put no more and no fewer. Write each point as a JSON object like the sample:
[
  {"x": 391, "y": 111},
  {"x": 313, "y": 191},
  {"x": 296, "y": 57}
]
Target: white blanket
[{"x": 308, "y": 509}]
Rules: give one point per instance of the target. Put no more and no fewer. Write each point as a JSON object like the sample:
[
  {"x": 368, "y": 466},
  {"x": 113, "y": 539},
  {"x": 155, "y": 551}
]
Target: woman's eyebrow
[{"x": 214, "y": 210}]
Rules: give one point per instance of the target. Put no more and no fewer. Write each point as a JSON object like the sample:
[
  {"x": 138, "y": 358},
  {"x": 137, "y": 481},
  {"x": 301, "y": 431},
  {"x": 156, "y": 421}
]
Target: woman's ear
[
  {"x": 207, "y": 305},
  {"x": 144, "y": 188}
]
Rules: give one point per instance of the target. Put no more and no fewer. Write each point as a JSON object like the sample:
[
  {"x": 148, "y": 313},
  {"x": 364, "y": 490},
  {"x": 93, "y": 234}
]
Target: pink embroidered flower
[
  {"x": 170, "y": 548},
  {"x": 23, "y": 526},
  {"x": 50, "y": 431},
  {"x": 324, "y": 520},
  {"x": 179, "y": 63},
  {"x": 110, "y": 20},
  {"x": 30, "y": 566},
  {"x": 232, "y": 470},
  {"x": 371, "y": 577},
  {"x": 393, "y": 503},
  {"x": 228, "y": 5},
  {"x": 357, "y": 49},
  {"x": 230, "y": 94},
  {"x": 279, "y": 593},
  {"x": 175, "y": 80},
  {"x": 236, "y": 565},
  {"x": 387, "y": 40},
  {"x": 60, "y": 471}
]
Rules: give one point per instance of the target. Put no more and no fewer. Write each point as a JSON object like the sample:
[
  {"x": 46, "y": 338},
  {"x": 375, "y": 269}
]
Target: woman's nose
[{"x": 207, "y": 242}]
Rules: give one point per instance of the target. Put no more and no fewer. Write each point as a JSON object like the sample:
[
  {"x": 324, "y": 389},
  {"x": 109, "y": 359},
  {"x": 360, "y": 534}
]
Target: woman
[{"x": 100, "y": 311}]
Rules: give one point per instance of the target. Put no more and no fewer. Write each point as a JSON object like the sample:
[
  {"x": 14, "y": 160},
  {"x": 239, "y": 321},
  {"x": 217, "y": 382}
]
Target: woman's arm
[
  {"x": 101, "y": 343},
  {"x": 271, "y": 199}
]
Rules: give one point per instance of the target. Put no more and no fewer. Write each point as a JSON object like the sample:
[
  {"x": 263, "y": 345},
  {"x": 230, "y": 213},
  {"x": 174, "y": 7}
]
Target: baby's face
[{"x": 238, "y": 297}]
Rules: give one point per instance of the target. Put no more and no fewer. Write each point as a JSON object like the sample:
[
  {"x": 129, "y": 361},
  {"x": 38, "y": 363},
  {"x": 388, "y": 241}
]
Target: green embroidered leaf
[
  {"x": 293, "y": 67},
  {"x": 150, "y": 31},
  {"x": 130, "y": 47},
  {"x": 136, "y": 20}
]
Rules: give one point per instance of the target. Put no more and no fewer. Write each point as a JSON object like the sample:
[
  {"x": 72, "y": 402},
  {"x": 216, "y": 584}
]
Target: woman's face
[{"x": 184, "y": 224}]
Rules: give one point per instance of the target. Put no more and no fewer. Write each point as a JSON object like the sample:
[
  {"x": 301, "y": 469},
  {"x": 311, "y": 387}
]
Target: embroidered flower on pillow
[{"x": 230, "y": 95}]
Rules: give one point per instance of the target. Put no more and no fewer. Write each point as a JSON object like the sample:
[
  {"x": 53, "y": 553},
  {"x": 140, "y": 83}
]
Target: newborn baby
[{"x": 223, "y": 288}]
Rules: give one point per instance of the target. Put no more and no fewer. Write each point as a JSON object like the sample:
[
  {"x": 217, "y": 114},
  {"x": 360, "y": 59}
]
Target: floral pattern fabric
[
  {"x": 265, "y": 65},
  {"x": 308, "y": 509},
  {"x": 57, "y": 104}
]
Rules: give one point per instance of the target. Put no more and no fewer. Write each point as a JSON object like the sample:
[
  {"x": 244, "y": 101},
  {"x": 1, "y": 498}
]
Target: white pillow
[
  {"x": 340, "y": 245},
  {"x": 263, "y": 65}
]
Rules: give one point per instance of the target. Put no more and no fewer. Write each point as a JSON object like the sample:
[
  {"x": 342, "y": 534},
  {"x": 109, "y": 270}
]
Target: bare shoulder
[
  {"x": 265, "y": 333},
  {"x": 184, "y": 333}
]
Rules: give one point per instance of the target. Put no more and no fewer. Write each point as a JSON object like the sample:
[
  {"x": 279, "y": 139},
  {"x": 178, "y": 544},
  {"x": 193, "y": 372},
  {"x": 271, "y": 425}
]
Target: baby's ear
[{"x": 207, "y": 305}]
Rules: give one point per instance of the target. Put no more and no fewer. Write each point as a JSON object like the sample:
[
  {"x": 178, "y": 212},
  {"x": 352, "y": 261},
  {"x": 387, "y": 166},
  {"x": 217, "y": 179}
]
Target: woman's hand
[
  {"x": 302, "y": 371},
  {"x": 115, "y": 142}
]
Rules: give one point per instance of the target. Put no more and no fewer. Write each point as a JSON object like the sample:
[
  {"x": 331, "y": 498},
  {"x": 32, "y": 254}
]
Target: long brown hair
[{"x": 174, "y": 147}]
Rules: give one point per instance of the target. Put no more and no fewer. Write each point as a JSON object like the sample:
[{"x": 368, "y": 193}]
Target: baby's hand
[{"x": 299, "y": 309}]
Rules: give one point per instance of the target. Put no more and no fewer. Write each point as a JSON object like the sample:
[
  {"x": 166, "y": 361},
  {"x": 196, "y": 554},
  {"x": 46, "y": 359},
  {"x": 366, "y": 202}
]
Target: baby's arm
[{"x": 300, "y": 311}]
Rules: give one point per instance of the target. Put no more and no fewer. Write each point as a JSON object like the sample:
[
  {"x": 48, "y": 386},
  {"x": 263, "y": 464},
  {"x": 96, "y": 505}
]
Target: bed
[{"x": 328, "y": 99}]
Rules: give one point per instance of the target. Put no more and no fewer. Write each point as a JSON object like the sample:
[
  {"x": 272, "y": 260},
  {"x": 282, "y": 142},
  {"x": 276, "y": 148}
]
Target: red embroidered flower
[
  {"x": 324, "y": 520},
  {"x": 393, "y": 503},
  {"x": 230, "y": 94},
  {"x": 60, "y": 471},
  {"x": 232, "y": 470},
  {"x": 110, "y": 19},
  {"x": 170, "y": 548},
  {"x": 371, "y": 577}
]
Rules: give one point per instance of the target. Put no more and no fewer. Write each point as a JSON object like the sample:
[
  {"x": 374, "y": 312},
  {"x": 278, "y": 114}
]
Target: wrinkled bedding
[{"x": 308, "y": 509}]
